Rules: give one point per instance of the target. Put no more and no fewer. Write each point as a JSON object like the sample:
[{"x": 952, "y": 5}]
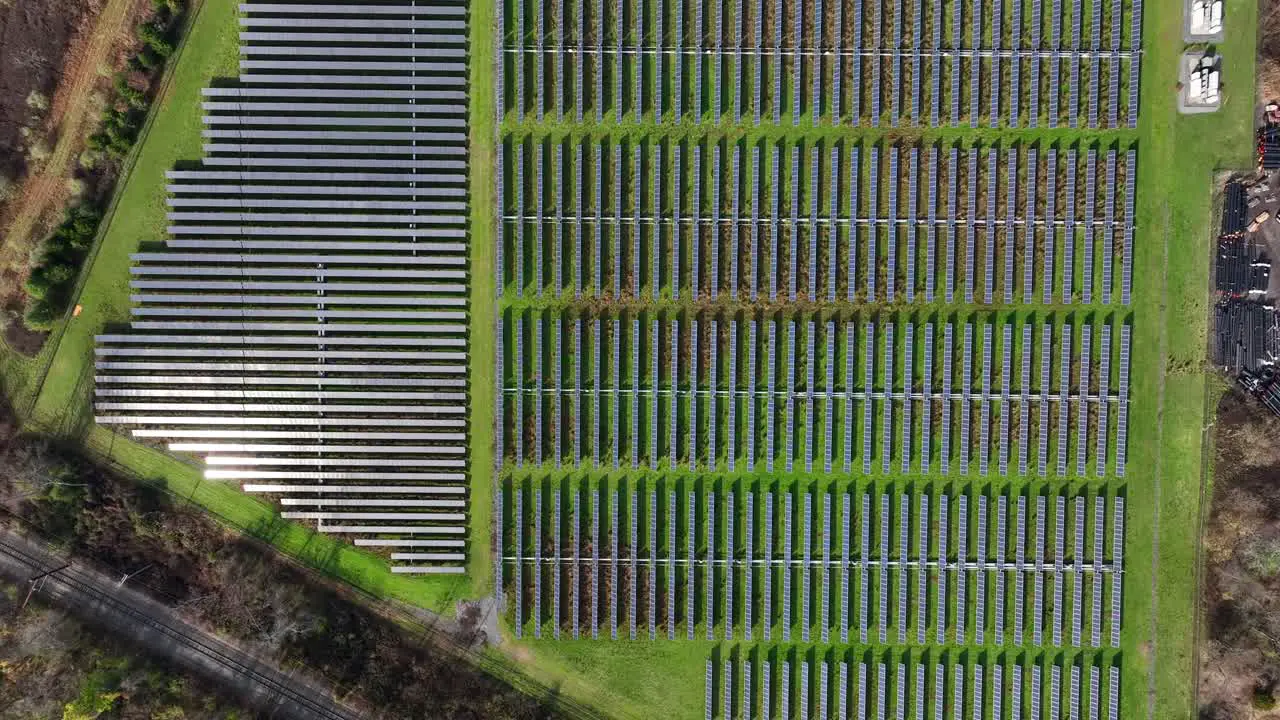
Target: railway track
[{"x": 93, "y": 597}]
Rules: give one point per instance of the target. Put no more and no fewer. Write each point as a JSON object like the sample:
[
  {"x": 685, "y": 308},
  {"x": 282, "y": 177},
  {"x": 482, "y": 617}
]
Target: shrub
[{"x": 40, "y": 315}]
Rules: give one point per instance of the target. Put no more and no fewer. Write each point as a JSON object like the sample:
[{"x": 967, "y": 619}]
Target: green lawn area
[{"x": 1178, "y": 157}]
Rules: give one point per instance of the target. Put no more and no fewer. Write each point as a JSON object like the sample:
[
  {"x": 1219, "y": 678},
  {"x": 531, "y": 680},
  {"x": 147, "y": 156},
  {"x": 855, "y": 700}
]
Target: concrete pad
[
  {"x": 1185, "y": 64},
  {"x": 1191, "y": 37}
]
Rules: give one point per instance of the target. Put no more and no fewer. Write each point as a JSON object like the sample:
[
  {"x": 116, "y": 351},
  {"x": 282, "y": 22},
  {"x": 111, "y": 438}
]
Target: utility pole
[{"x": 36, "y": 579}]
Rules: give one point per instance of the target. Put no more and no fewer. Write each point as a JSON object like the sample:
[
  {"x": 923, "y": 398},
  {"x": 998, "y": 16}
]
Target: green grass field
[{"x": 1177, "y": 158}]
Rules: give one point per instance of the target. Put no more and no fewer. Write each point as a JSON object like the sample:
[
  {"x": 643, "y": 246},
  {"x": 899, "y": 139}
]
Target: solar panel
[
  {"x": 1093, "y": 693},
  {"x": 922, "y": 573},
  {"x": 1058, "y": 560},
  {"x": 709, "y": 576},
  {"x": 813, "y": 218},
  {"x": 556, "y": 564},
  {"x": 806, "y": 566},
  {"x": 918, "y": 698},
  {"x": 868, "y": 404},
  {"x": 767, "y": 589},
  {"x": 864, "y": 521},
  {"x": 962, "y": 576},
  {"x": 1003, "y": 405},
  {"x": 862, "y": 691},
  {"x": 940, "y": 601},
  {"x": 926, "y": 414},
  {"x": 931, "y": 240},
  {"x": 632, "y": 525},
  {"x": 752, "y": 350},
  {"x": 757, "y": 199},
  {"x": 654, "y": 385},
  {"x": 735, "y": 228},
  {"x": 732, "y": 400},
  {"x": 1113, "y": 693},
  {"x": 891, "y": 225},
  {"x": 788, "y": 436},
  {"x": 653, "y": 564},
  {"x": 1082, "y": 404},
  {"x": 908, "y": 345},
  {"x": 1037, "y": 707},
  {"x": 713, "y": 345},
  {"x": 971, "y": 220},
  {"x": 1130, "y": 177},
  {"x": 1015, "y": 693},
  {"x": 691, "y": 619},
  {"x": 1122, "y": 412},
  {"x": 1064, "y": 389},
  {"x": 966, "y": 401},
  {"x": 882, "y": 697},
  {"x": 980, "y": 589},
  {"x": 748, "y": 690},
  {"x": 844, "y": 575},
  {"x": 1055, "y": 690},
  {"x": 978, "y": 706},
  {"x": 709, "y": 702},
  {"x": 873, "y": 215},
  {"x": 772, "y": 396},
  {"x": 849, "y": 356},
  {"x": 1069, "y": 228},
  {"x": 694, "y": 391},
  {"x": 904, "y": 528},
  {"x": 695, "y": 267},
  {"x": 714, "y": 270},
  {"x": 939, "y": 695},
  {"x": 828, "y": 418},
  {"x": 992, "y": 199},
  {"x": 815, "y": 93},
  {"x": 796, "y": 87},
  {"x": 673, "y": 443},
  {"x": 913, "y": 168},
  {"x": 730, "y": 565},
  {"x": 518, "y": 514},
  {"x": 596, "y": 341},
  {"x": 984, "y": 447},
  {"x": 776, "y": 70},
  {"x": 957, "y": 42},
  {"x": 749, "y": 569},
  {"x": 1117, "y": 563},
  {"x": 1090, "y": 199},
  {"x": 886, "y": 427},
  {"x": 614, "y": 562},
  {"x": 947, "y": 398},
  {"x": 1037, "y": 614},
  {"x": 1019, "y": 539},
  {"x": 793, "y": 234},
  {"x": 1001, "y": 518},
  {"x": 1095, "y": 624},
  {"x": 855, "y": 169},
  {"x": 576, "y": 540},
  {"x": 1073, "y": 710},
  {"x": 826, "y": 571},
  {"x": 727, "y": 707},
  {"x": 537, "y": 390},
  {"x": 757, "y": 61},
  {"x": 787, "y": 566},
  {"x": 810, "y": 401},
  {"x": 775, "y": 237},
  {"x": 595, "y": 564}
]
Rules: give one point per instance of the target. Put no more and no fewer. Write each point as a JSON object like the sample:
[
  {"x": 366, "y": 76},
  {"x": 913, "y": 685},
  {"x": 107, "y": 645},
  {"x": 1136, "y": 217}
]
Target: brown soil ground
[
  {"x": 34, "y": 38},
  {"x": 1242, "y": 583}
]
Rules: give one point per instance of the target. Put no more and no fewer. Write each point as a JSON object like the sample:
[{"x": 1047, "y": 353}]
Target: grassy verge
[
  {"x": 483, "y": 303},
  {"x": 1175, "y": 225}
]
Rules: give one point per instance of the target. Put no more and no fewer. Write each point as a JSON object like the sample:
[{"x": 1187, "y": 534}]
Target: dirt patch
[
  {"x": 34, "y": 38},
  {"x": 1240, "y": 658}
]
